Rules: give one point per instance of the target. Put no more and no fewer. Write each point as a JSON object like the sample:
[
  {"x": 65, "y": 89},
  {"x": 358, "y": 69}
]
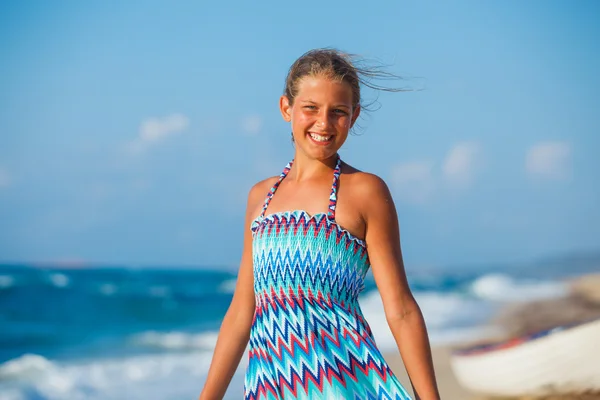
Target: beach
[
  {"x": 582, "y": 303},
  {"x": 449, "y": 387}
]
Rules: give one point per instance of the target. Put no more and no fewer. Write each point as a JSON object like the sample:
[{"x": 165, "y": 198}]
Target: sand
[
  {"x": 447, "y": 383},
  {"x": 583, "y": 303}
]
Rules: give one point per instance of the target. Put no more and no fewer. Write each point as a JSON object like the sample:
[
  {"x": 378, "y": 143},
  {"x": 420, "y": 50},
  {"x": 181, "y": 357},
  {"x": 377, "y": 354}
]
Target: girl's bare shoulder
[
  {"x": 259, "y": 191},
  {"x": 364, "y": 184}
]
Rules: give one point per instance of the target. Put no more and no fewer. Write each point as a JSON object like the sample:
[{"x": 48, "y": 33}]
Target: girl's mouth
[{"x": 320, "y": 139}]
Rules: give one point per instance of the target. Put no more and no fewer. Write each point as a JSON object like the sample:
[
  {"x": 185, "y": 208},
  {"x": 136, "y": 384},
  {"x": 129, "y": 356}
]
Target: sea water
[{"x": 135, "y": 333}]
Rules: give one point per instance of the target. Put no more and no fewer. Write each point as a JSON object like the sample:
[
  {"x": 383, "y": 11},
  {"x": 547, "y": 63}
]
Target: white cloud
[
  {"x": 460, "y": 163},
  {"x": 549, "y": 160},
  {"x": 154, "y": 130},
  {"x": 417, "y": 181},
  {"x": 252, "y": 124},
  {"x": 5, "y": 178},
  {"x": 413, "y": 181}
]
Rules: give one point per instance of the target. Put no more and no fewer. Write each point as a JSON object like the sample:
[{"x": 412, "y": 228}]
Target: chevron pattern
[{"x": 309, "y": 339}]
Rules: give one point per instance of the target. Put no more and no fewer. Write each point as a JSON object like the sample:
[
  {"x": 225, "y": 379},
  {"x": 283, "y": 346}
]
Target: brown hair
[{"x": 334, "y": 64}]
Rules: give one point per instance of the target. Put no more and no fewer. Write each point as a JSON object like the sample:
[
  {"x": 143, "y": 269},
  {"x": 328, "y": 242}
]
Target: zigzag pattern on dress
[
  {"x": 309, "y": 339},
  {"x": 331, "y": 266}
]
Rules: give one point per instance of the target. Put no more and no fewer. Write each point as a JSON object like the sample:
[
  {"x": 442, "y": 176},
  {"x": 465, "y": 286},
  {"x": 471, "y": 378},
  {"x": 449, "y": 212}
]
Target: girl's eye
[
  {"x": 310, "y": 107},
  {"x": 340, "y": 112}
]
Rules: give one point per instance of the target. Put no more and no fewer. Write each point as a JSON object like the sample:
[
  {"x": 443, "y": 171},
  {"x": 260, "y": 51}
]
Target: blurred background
[{"x": 130, "y": 134}]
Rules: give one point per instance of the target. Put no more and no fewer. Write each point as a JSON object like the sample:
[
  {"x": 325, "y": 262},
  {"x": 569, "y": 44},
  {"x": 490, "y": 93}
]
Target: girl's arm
[
  {"x": 401, "y": 310},
  {"x": 235, "y": 329}
]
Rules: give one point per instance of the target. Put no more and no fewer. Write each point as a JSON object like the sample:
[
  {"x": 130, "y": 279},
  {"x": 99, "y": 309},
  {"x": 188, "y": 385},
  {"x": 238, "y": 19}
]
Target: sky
[{"x": 131, "y": 132}]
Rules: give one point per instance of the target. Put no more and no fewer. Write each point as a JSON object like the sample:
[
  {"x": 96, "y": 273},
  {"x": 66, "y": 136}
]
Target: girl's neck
[{"x": 305, "y": 168}]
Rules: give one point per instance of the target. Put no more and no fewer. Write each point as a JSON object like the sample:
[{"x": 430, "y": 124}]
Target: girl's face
[{"x": 321, "y": 116}]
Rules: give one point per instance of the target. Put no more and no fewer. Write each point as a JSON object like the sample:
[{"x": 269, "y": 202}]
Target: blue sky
[{"x": 130, "y": 133}]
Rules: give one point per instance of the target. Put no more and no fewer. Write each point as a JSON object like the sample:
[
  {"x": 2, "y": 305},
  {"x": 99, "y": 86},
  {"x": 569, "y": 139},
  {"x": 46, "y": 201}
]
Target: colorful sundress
[{"x": 309, "y": 339}]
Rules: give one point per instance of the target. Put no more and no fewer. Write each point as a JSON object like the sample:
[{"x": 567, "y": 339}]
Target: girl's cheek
[
  {"x": 303, "y": 117},
  {"x": 345, "y": 122}
]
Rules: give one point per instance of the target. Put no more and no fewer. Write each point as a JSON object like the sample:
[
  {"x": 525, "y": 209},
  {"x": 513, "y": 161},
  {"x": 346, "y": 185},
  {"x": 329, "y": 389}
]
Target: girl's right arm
[{"x": 235, "y": 329}]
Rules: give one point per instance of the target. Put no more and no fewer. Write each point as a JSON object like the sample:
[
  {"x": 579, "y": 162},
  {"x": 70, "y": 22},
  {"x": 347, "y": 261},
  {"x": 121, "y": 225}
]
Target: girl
[{"x": 308, "y": 246}]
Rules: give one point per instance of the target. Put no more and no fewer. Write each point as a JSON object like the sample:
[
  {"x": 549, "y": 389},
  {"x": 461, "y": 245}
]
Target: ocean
[{"x": 147, "y": 333}]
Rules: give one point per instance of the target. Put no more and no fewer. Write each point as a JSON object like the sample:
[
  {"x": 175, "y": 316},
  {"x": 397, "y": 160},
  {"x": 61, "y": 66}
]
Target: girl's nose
[{"x": 323, "y": 121}]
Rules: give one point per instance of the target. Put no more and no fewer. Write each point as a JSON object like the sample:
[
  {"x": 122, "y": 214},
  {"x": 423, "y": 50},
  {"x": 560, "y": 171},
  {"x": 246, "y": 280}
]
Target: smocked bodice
[{"x": 296, "y": 254}]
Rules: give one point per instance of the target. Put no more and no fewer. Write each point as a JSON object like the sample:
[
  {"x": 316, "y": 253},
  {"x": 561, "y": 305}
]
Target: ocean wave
[
  {"x": 504, "y": 288},
  {"x": 108, "y": 289},
  {"x": 176, "y": 340},
  {"x": 450, "y": 317},
  {"x": 6, "y": 281},
  {"x": 27, "y": 365},
  {"x": 159, "y": 291},
  {"x": 227, "y": 286},
  {"x": 59, "y": 280},
  {"x": 163, "y": 376}
]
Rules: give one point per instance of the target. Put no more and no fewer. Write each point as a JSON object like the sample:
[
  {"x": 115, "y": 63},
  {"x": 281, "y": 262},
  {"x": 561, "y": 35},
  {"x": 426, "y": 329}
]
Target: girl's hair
[{"x": 334, "y": 64}]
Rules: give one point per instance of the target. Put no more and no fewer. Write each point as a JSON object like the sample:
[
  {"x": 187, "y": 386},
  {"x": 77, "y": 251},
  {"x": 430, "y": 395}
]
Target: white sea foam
[
  {"x": 227, "y": 286},
  {"x": 28, "y": 365},
  {"x": 12, "y": 394},
  {"x": 159, "y": 291},
  {"x": 107, "y": 289},
  {"x": 461, "y": 317},
  {"x": 176, "y": 340},
  {"x": 152, "y": 376},
  {"x": 59, "y": 280},
  {"x": 503, "y": 288},
  {"x": 6, "y": 281},
  {"x": 450, "y": 318}
]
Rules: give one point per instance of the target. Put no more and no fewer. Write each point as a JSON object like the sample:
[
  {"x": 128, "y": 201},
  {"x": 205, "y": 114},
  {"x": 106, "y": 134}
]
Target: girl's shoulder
[
  {"x": 264, "y": 185},
  {"x": 363, "y": 183},
  {"x": 259, "y": 191}
]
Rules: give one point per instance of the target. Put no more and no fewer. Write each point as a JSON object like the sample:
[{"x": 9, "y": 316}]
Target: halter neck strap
[{"x": 332, "y": 195}]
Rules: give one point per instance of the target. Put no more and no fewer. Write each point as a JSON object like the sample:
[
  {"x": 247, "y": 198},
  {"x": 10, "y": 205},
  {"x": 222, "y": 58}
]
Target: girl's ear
[{"x": 285, "y": 108}]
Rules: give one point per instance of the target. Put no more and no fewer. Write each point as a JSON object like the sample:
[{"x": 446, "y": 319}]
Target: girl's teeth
[{"x": 320, "y": 138}]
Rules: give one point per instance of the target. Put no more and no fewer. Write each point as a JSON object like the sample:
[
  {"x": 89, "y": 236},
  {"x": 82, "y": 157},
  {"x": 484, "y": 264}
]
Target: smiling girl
[{"x": 312, "y": 233}]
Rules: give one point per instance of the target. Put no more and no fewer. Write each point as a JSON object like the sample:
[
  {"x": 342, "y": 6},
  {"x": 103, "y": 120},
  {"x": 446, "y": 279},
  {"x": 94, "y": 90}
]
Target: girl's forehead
[{"x": 311, "y": 86}]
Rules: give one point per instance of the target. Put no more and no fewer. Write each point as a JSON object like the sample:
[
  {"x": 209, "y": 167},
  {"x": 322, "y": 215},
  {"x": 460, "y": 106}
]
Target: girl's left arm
[{"x": 401, "y": 310}]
